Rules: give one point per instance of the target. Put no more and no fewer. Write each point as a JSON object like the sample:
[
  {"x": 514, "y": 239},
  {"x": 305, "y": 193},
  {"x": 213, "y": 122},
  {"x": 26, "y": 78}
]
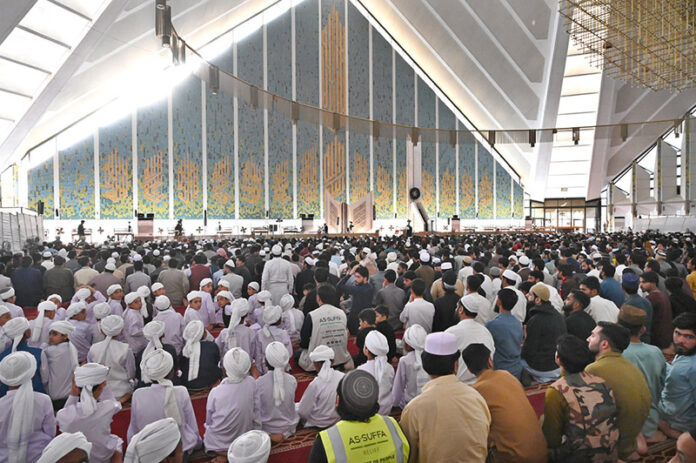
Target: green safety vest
[{"x": 379, "y": 440}]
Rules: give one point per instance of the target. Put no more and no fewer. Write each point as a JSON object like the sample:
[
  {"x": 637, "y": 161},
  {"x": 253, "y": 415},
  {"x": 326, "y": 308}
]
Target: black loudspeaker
[
  {"x": 40, "y": 207},
  {"x": 57, "y": 215},
  {"x": 414, "y": 193},
  {"x": 374, "y": 212},
  {"x": 205, "y": 217},
  {"x": 140, "y": 216}
]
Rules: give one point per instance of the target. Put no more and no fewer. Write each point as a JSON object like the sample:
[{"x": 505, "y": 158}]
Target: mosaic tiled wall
[
  {"x": 40, "y": 187},
  {"x": 518, "y": 200},
  {"x": 243, "y": 162},
  {"x": 116, "y": 170}
]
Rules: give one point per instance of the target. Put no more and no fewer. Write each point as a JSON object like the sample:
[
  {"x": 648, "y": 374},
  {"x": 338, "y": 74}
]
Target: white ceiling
[{"x": 501, "y": 62}]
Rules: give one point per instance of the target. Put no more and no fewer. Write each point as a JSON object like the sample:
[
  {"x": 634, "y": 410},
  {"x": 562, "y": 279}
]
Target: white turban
[
  {"x": 286, "y": 303},
  {"x": 89, "y": 374},
  {"x": 391, "y": 257},
  {"x": 251, "y": 447},
  {"x": 237, "y": 364},
  {"x": 144, "y": 291},
  {"x": 82, "y": 294},
  {"x": 39, "y": 321},
  {"x": 7, "y": 294},
  {"x": 153, "y": 331},
  {"x": 157, "y": 365},
  {"x": 111, "y": 326},
  {"x": 325, "y": 354},
  {"x": 271, "y": 315},
  {"x": 67, "y": 328},
  {"x": 224, "y": 283},
  {"x": 62, "y": 445},
  {"x": 74, "y": 309},
  {"x": 156, "y": 286},
  {"x": 415, "y": 336},
  {"x": 112, "y": 289},
  {"x": 193, "y": 295},
  {"x": 15, "y": 329},
  {"x": 277, "y": 250},
  {"x": 226, "y": 294},
  {"x": 377, "y": 343},
  {"x": 55, "y": 296},
  {"x": 130, "y": 297},
  {"x": 102, "y": 310},
  {"x": 263, "y": 296},
  {"x": 154, "y": 443},
  {"x": 204, "y": 281},
  {"x": 277, "y": 356},
  {"x": 240, "y": 307},
  {"x": 18, "y": 369},
  {"x": 192, "y": 349},
  {"x": 510, "y": 275},
  {"x": 162, "y": 303}
]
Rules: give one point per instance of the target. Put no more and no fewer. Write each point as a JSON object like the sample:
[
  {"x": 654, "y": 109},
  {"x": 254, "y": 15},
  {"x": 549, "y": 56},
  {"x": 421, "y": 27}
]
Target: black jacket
[
  {"x": 445, "y": 308},
  {"x": 544, "y": 327}
]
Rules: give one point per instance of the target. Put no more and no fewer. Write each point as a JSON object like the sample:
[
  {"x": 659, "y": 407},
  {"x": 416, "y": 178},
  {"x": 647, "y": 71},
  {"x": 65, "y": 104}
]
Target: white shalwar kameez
[
  {"x": 281, "y": 419},
  {"x": 317, "y": 407},
  {"x": 60, "y": 370},
  {"x": 43, "y": 426},
  {"x": 232, "y": 409},
  {"x": 385, "y": 385},
  {"x": 261, "y": 341},
  {"x": 133, "y": 329},
  {"x": 173, "y": 328},
  {"x": 121, "y": 362}
]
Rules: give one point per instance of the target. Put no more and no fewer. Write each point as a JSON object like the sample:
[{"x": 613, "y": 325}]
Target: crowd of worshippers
[{"x": 449, "y": 329}]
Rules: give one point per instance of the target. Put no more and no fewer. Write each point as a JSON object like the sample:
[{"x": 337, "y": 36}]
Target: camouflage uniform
[{"x": 591, "y": 433}]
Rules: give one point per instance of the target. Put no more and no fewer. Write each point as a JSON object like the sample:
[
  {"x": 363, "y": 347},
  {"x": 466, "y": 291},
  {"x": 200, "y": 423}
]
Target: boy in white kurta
[
  {"x": 101, "y": 311},
  {"x": 90, "y": 409},
  {"x": 173, "y": 322},
  {"x": 163, "y": 400},
  {"x": 270, "y": 332},
  {"x": 195, "y": 311},
  {"x": 317, "y": 408},
  {"x": 237, "y": 334},
  {"x": 206, "y": 291},
  {"x": 115, "y": 293},
  {"x": 8, "y": 299},
  {"x": 40, "y": 325},
  {"x": 61, "y": 357},
  {"x": 81, "y": 338},
  {"x": 23, "y": 439},
  {"x": 292, "y": 317},
  {"x": 90, "y": 297},
  {"x": 116, "y": 355},
  {"x": 275, "y": 391},
  {"x": 410, "y": 376},
  {"x": 376, "y": 349},
  {"x": 134, "y": 321},
  {"x": 233, "y": 407},
  {"x": 58, "y": 301}
]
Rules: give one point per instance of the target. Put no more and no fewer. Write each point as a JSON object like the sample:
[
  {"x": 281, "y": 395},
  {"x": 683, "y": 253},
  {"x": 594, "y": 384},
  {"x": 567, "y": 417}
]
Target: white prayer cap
[
  {"x": 137, "y": 258},
  {"x": 376, "y": 343},
  {"x": 309, "y": 261},
  {"x": 287, "y": 302},
  {"x": 205, "y": 281},
  {"x": 46, "y": 254},
  {"x": 62, "y": 252},
  {"x": 264, "y": 296},
  {"x": 89, "y": 374},
  {"x": 114, "y": 254},
  {"x": 277, "y": 356},
  {"x": 112, "y": 325},
  {"x": 224, "y": 283},
  {"x": 62, "y": 445},
  {"x": 110, "y": 267},
  {"x": 82, "y": 294},
  {"x": 15, "y": 329},
  {"x": 162, "y": 302},
  {"x": 101, "y": 310},
  {"x": 192, "y": 349},
  {"x": 253, "y": 285},
  {"x": 415, "y": 336},
  {"x": 74, "y": 309},
  {"x": 271, "y": 315},
  {"x": 130, "y": 297},
  {"x": 510, "y": 275},
  {"x": 156, "y": 252},
  {"x": 112, "y": 260},
  {"x": 226, "y": 294},
  {"x": 166, "y": 258},
  {"x": 237, "y": 364},
  {"x": 193, "y": 295},
  {"x": 424, "y": 256},
  {"x": 277, "y": 250},
  {"x": 366, "y": 250},
  {"x": 391, "y": 256},
  {"x": 155, "y": 442},
  {"x": 55, "y": 296},
  {"x": 7, "y": 294},
  {"x": 524, "y": 261},
  {"x": 441, "y": 343},
  {"x": 156, "y": 286},
  {"x": 251, "y": 447},
  {"x": 18, "y": 369},
  {"x": 112, "y": 289},
  {"x": 157, "y": 364},
  {"x": 62, "y": 327},
  {"x": 144, "y": 291},
  {"x": 324, "y": 354},
  {"x": 446, "y": 266},
  {"x": 472, "y": 303}
]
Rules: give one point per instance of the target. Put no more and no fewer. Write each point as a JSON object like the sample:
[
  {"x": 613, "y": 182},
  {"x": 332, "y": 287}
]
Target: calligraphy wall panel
[
  {"x": 77, "y": 180},
  {"x": 382, "y": 105},
  {"x": 116, "y": 170},
  {"x": 279, "y": 60},
  {"x": 219, "y": 121},
  {"x": 426, "y": 118},
  {"x": 485, "y": 183},
  {"x": 503, "y": 202},
  {"x": 447, "y": 162},
  {"x": 518, "y": 199},
  {"x": 251, "y": 149},
  {"x": 307, "y": 91},
  {"x": 153, "y": 160},
  {"x": 467, "y": 176},
  {"x": 358, "y": 101},
  {"x": 40, "y": 187},
  {"x": 187, "y": 159},
  {"x": 404, "y": 115}
]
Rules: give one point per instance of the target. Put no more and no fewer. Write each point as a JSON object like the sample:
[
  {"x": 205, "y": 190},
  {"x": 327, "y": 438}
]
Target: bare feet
[
  {"x": 641, "y": 445},
  {"x": 276, "y": 438},
  {"x": 667, "y": 429},
  {"x": 657, "y": 437}
]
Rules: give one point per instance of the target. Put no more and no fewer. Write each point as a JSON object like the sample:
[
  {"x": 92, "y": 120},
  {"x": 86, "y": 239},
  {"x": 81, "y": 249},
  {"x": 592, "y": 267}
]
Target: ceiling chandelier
[{"x": 647, "y": 43}]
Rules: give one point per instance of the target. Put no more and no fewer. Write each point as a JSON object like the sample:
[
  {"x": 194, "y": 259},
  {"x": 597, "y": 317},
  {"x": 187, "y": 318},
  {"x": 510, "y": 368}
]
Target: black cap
[{"x": 359, "y": 391}]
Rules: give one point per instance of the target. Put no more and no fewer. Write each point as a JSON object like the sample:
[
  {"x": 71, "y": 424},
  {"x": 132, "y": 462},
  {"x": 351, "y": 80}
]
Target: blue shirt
[
  {"x": 644, "y": 305},
  {"x": 611, "y": 289},
  {"x": 36, "y": 380},
  {"x": 361, "y": 296},
  {"x": 507, "y": 334},
  {"x": 678, "y": 401}
]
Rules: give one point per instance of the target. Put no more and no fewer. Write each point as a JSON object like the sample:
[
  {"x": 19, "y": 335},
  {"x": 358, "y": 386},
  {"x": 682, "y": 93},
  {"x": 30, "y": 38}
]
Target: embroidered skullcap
[{"x": 359, "y": 391}]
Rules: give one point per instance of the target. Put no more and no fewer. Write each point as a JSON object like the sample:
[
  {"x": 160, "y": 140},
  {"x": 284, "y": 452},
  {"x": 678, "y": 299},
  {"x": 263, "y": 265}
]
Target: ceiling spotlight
[
  {"x": 214, "y": 79},
  {"x": 160, "y": 4},
  {"x": 576, "y": 135},
  {"x": 163, "y": 25}
]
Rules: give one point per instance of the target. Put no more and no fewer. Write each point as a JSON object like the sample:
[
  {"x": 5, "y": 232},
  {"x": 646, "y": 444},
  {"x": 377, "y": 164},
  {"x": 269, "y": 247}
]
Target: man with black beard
[
  {"x": 578, "y": 322},
  {"x": 677, "y": 406}
]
